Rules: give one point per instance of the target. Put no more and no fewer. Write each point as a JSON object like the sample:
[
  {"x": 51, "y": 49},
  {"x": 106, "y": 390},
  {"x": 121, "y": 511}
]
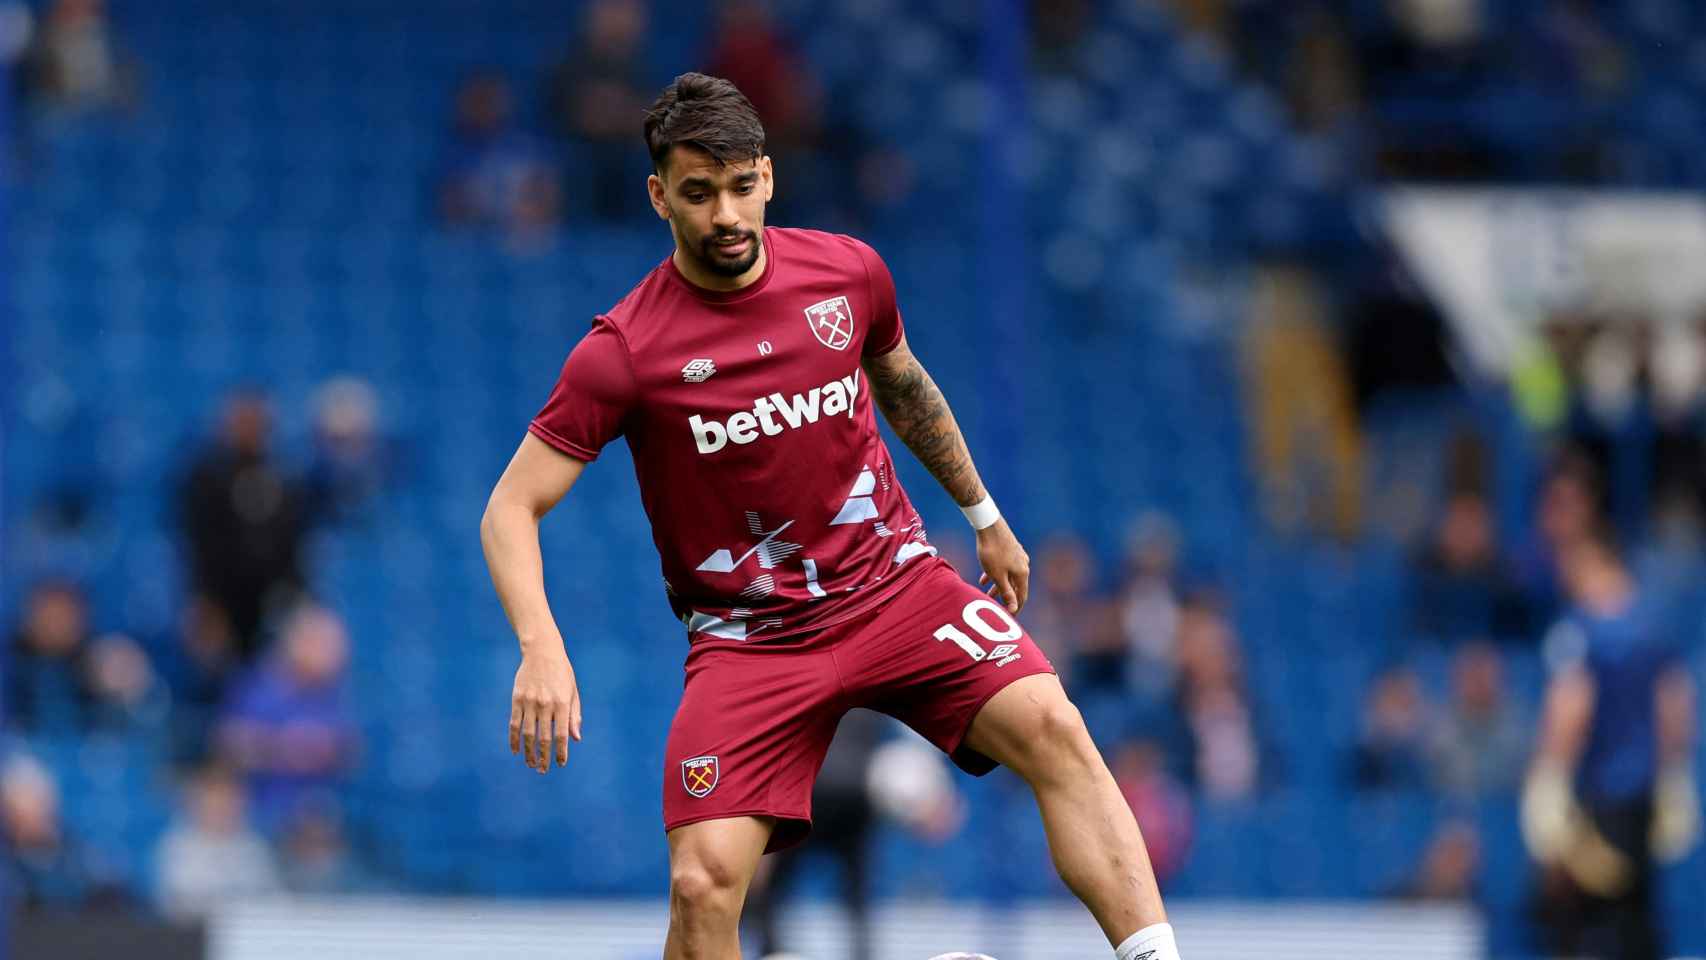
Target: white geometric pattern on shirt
[
  {"x": 770, "y": 553},
  {"x": 859, "y": 506},
  {"x": 770, "y": 550},
  {"x": 915, "y": 543},
  {"x": 764, "y": 586}
]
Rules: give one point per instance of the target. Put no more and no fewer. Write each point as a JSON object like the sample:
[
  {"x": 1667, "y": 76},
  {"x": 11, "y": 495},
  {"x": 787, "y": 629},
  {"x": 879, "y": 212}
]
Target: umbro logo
[
  {"x": 699, "y": 370},
  {"x": 1145, "y": 955}
]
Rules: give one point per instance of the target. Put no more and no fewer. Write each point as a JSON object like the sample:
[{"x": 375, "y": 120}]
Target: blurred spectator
[
  {"x": 46, "y": 689},
  {"x": 288, "y": 726},
  {"x": 1076, "y": 624},
  {"x": 750, "y": 52},
  {"x": 125, "y": 693},
  {"x": 1059, "y": 585},
  {"x": 350, "y": 460},
  {"x": 1323, "y": 82},
  {"x": 1450, "y": 868},
  {"x": 1571, "y": 504},
  {"x": 207, "y": 661},
  {"x": 1199, "y": 16},
  {"x": 1480, "y": 745},
  {"x": 213, "y": 857},
  {"x": 862, "y": 780},
  {"x": 1463, "y": 590},
  {"x": 46, "y": 868},
  {"x": 1439, "y": 27},
  {"x": 74, "y": 61},
  {"x": 245, "y": 520},
  {"x": 1391, "y": 753},
  {"x": 1149, "y": 606},
  {"x": 497, "y": 176},
  {"x": 1057, "y": 31},
  {"x": 598, "y": 94},
  {"x": 59, "y": 681},
  {"x": 315, "y": 857},
  {"x": 1308, "y": 443},
  {"x": 1225, "y": 751},
  {"x": 1160, "y": 803}
]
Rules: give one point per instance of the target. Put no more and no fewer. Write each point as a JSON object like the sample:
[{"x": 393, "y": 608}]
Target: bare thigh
[{"x": 1030, "y": 724}]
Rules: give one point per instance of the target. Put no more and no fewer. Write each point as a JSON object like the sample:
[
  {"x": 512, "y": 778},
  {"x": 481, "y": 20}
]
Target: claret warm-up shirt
[{"x": 773, "y": 500}]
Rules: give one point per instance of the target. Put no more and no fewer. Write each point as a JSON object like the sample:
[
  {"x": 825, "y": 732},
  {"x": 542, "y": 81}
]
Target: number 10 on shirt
[{"x": 974, "y": 615}]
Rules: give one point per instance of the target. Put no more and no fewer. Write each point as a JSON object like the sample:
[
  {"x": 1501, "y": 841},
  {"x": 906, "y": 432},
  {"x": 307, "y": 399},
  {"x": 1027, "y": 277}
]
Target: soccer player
[
  {"x": 1618, "y": 721},
  {"x": 745, "y": 371}
]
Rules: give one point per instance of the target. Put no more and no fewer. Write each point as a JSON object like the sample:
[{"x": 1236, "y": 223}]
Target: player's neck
[{"x": 694, "y": 273}]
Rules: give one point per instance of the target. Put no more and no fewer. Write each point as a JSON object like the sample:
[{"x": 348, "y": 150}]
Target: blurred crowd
[
  {"x": 244, "y": 706},
  {"x": 1450, "y": 89},
  {"x": 574, "y": 154}
]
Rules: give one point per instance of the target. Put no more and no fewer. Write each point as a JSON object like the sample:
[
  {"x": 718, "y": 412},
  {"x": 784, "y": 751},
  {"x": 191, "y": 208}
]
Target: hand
[
  {"x": 1006, "y": 565},
  {"x": 546, "y": 699}
]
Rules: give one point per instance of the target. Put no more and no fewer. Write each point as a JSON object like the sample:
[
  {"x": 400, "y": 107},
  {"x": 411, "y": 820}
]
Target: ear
[
  {"x": 767, "y": 173},
  {"x": 660, "y": 202}
]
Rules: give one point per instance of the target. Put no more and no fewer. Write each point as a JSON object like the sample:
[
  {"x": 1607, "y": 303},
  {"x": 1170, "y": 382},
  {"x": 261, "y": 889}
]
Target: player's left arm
[{"x": 915, "y": 408}]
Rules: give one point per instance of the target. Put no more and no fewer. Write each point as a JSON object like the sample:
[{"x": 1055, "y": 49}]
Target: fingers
[
  {"x": 514, "y": 725},
  {"x": 564, "y": 723},
  {"x": 1022, "y": 583},
  {"x": 540, "y": 730},
  {"x": 529, "y": 732},
  {"x": 547, "y": 716},
  {"x": 1002, "y": 589}
]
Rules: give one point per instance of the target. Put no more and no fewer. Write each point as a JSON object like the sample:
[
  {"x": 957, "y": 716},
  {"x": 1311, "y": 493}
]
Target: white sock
[{"x": 1154, "y": 942}]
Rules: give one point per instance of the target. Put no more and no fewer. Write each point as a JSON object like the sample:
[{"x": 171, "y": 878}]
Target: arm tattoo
[{"x": 919, "y": 414}]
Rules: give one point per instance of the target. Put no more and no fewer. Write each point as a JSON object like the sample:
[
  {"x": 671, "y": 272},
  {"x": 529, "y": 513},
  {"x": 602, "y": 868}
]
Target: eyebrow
[{"x": 704, "y": 183}]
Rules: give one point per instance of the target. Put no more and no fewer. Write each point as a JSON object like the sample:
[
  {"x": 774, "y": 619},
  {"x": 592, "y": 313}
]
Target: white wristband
[{"x": 982, "y": 514}]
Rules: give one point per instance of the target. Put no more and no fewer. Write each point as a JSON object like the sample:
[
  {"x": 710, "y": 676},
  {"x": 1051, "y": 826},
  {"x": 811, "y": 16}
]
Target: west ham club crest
[
  {"x": 699, "y": 775},
  {"x": 831, "y": 322}
]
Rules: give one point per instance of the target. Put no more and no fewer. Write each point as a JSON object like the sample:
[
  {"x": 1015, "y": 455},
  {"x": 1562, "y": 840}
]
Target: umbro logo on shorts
[{"x": 699, "y": 775}]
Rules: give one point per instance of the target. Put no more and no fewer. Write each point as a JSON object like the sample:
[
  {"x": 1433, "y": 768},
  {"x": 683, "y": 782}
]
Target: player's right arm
[
  {"x": 545, "y": 707},
  {"x": 1566, "y": 717},
  {"x": 1551, "y": 820}
]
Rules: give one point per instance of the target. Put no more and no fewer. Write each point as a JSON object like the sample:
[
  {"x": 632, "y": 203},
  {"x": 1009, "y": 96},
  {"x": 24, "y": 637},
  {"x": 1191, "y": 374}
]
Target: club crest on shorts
[
  {"x": 831, "y": 322},
  {"x": 699, "y": 775}
]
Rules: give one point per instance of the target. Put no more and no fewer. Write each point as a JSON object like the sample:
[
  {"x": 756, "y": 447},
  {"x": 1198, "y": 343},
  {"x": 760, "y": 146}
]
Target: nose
[{"x": 725, "y": 218}]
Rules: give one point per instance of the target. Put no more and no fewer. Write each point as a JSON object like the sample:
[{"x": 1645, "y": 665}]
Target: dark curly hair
[{"x": 706, "y": 113}]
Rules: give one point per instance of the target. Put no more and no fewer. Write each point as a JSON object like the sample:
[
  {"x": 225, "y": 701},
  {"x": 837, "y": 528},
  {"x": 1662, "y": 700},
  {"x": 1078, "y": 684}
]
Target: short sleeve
[
  {"x": 886, "y": 329},
  {"x": 592, "y": 397}
]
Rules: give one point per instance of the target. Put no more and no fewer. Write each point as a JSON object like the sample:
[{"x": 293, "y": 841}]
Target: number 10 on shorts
[{"x": 976, "y": 616}]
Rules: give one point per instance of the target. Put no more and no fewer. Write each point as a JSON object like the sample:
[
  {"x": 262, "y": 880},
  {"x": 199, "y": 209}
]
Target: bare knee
[
  {"x": 1058, "y": 748},
  {"x": 704, "y": 888}
]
